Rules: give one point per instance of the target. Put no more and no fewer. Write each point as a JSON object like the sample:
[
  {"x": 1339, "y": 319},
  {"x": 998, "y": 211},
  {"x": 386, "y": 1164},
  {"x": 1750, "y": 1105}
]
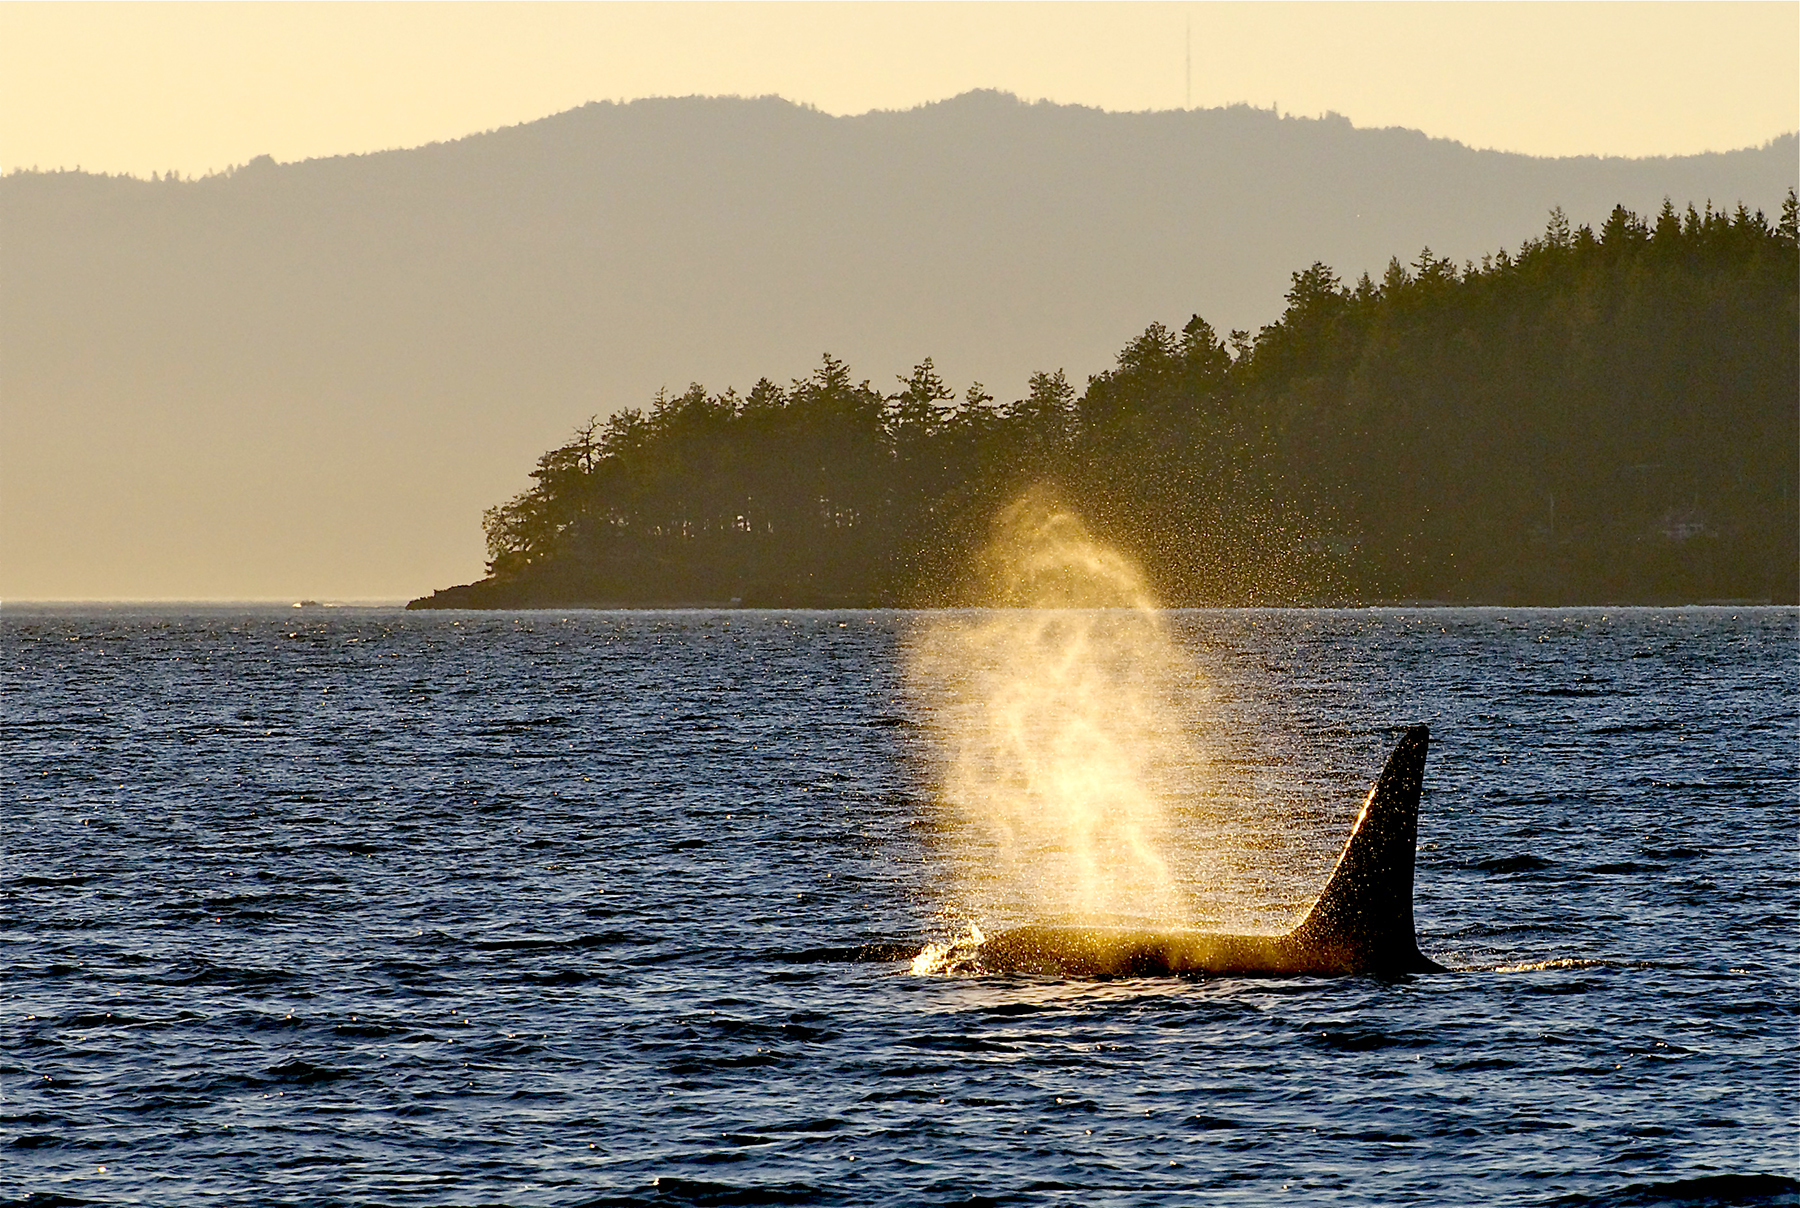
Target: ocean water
[{"x": 366, "y": 907}]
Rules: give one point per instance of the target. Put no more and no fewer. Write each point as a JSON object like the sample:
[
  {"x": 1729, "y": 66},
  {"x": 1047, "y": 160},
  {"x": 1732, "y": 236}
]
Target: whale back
[{"x": 1363, "y": 921}]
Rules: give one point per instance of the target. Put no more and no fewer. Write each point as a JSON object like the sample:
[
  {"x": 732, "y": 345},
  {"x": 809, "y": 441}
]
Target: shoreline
[{"x": 459, "y": 599}]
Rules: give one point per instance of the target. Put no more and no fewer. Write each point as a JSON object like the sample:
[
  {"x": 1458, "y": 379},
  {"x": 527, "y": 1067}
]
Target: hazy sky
[{"x": 139, "y": 88}]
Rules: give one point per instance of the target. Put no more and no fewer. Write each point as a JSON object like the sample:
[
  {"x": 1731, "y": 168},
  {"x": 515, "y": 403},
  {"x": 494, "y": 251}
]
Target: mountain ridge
[
  {"x": 997, "y": 97},
  {"x": 219, "y": 381}
]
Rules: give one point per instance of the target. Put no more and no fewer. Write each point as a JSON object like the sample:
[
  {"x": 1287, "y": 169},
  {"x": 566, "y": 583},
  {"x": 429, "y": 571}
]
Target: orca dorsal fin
[{"x": 1363, "y": 921}]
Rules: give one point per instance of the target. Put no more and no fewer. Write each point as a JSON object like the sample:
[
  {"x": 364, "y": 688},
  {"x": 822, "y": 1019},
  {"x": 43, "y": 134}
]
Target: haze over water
[{"x": 323, "y": 906}]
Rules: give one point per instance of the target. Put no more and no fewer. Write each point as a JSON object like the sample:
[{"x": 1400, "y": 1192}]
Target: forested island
[{"x": 1602, "y": 417}]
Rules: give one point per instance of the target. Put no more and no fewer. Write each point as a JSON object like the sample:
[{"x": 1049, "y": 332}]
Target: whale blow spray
[{"x": 1062, "y": 741}]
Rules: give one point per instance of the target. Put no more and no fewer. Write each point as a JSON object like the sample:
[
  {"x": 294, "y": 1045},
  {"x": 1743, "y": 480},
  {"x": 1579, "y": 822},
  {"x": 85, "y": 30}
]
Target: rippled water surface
[{"x": 365, "y": 907}]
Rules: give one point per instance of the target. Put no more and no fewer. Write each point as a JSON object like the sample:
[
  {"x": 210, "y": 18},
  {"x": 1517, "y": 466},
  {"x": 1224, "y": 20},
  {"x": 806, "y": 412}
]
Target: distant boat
[{"x": 308, "y": 604}]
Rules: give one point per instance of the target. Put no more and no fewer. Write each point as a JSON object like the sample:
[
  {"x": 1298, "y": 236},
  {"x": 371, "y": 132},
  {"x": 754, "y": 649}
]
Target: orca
[{"x": 1362, "y": 924}]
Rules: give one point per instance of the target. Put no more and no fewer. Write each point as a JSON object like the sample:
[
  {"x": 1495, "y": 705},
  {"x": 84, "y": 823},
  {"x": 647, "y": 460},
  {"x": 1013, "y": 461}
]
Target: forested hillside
[
  {"x": 212, "y": 387},
  {"x": 1604, "y": 416}
]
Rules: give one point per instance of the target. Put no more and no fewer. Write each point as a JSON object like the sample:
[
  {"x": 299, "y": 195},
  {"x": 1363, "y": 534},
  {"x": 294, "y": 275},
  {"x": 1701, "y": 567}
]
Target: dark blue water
[{"x": 367, "y": 907}]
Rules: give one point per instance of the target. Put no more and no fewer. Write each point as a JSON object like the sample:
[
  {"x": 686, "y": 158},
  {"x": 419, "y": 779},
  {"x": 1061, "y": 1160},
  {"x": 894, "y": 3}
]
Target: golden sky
[{"x": 153, "y": 87}]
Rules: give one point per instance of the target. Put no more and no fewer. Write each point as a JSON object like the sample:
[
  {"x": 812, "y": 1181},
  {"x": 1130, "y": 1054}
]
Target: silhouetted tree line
[{"x": 1603, "y": 416}]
